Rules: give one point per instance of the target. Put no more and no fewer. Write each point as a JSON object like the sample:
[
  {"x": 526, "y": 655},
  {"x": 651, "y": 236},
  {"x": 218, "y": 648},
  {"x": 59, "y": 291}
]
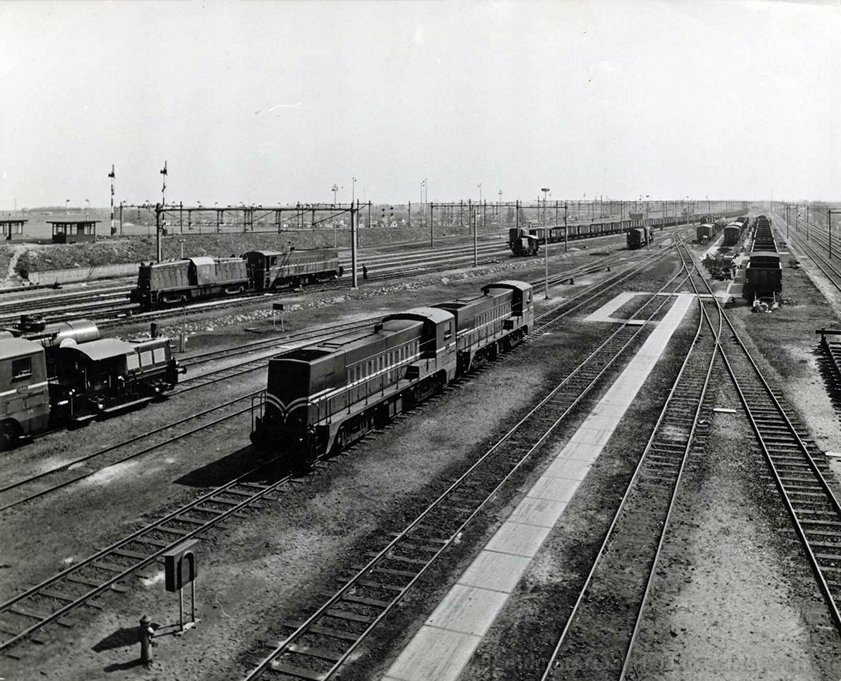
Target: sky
[{"x": 275, "y": 102}]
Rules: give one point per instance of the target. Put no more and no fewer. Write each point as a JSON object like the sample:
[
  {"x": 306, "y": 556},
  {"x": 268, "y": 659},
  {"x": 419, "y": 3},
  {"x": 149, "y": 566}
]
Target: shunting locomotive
[
  {"x": 183, "y": 281},
  {"x": 62, "y": 374}
]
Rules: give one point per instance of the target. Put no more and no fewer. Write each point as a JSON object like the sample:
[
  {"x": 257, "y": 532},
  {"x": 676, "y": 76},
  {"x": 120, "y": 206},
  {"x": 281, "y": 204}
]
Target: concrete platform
[{"x": 444, "y": 644}]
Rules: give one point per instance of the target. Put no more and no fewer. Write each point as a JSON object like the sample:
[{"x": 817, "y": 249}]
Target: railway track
[
  {"x": 830, "y": 270},
  {"x": 316, "y": 646},
  {"x": 384, "y": 267},
  {"x": 600, "y": 629},
  {"x": 53, "y": 600},
  {"x": 16, "y": 493},
  {"x": 797, "y": 466},
  {"x": 596, "y": 633}
]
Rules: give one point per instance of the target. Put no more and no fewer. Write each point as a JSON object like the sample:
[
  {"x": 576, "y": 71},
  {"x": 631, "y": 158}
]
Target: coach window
[{"x": 21, "y": 368}]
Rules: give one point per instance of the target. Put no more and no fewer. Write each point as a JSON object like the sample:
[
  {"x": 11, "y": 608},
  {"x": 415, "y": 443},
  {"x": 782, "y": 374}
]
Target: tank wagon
[
  {"x": 639, "y": 237},
  {"x": 61, "y": 374},
  {"x": 199, "y": 278},
  {"x": 321, "y": 397}
]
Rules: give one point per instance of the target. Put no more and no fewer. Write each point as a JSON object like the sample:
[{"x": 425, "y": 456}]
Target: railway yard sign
[
  {"x": 277, "y": 307},
  {"x": 180, "y": 570}
]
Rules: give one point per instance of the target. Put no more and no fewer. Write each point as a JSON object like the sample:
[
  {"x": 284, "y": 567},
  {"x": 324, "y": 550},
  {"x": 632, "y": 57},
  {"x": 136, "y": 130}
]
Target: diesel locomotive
[
  {"x": 183, "y": 281},
  {"x": 64, "y": 374},
  {"x": 321, "y": 397}
]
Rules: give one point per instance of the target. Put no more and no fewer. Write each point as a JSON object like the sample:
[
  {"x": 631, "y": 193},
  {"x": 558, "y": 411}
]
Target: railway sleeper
[
  {"x": 324, "y": 631},
  {"x": 297, "y": 672},
  {"x": 349, "y": 616},
  {"x": 89, "y": 582},
  {"x": 399, "y": 559},
  {"x": 313, "y": 651},
  {"x": 68, "y": 599},
  {"x": 370, "y": 584}
]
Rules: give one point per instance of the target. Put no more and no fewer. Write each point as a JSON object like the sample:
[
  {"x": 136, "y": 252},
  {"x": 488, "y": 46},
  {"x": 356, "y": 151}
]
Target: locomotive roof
[
  {"x": 433, "y": 314},
  {"x": 202, "y": 260},
  {"x": 17, "y": 347},
  {"x": 266, "y": 253},
  {"x": 764, "y": 254},
  {"x": 104, "y": 348},
  {"x": 509, "y": 284}
]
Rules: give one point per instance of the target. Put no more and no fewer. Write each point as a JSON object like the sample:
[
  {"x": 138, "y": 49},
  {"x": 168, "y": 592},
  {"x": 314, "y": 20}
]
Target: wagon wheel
[
  {"x": 7, "y": 437},
  {"x": 339, "y": 443}
]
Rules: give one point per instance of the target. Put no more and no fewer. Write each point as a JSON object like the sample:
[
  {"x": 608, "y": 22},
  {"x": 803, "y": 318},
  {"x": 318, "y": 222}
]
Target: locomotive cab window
[
  {"x": 448, "y": 331},
  {"x": 21, "y": 368},
  {"x": 132, "y": 362}
]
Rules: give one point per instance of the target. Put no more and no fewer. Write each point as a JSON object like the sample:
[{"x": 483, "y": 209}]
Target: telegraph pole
[
  {"x": 471, "y": 215},
  {"x": 566, "y": 229},
  {"x": 163, "y": 187},
  {"x": 112, "y": 175},
  {"x": 545, "y": 191},
  {"x": 158, "y": 244},
  {"x": 354, "y": 219},
  {"x": 829, "y": 213}
]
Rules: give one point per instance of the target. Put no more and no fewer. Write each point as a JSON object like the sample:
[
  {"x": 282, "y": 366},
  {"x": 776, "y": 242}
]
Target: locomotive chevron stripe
[{"x": 283, "y": 408}]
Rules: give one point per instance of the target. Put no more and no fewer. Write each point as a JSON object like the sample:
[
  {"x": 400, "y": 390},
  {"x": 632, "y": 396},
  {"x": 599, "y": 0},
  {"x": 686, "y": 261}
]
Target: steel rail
[
  {"x": 110, "y": 550},
  {"x": 764, "y": 445},
  {"x": 716, "y": 349},
  {"x": 129, "y": 457},
  {"x": 635, "y": 480},
  {"x": 382, "y": 555}
]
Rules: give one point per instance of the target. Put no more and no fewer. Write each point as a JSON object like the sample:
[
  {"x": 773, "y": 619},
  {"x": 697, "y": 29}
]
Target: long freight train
[
  {"x": 321, "y": 397},
  {"x": 764, "y": 272},
  {"x": 182, "y": 281},
  {"x": 61, "y": 374},
  {"x": 527, "y": 241}
]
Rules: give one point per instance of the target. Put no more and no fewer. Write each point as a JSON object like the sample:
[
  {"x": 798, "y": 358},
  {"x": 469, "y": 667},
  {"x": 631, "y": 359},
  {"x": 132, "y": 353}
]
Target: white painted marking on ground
[
  {"x": 110, "y": 473},
  {"x": 157, "y": 578}
]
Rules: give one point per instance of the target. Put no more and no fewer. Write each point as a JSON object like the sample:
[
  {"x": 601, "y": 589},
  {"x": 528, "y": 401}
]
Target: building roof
[
  {"x": 12, "y": 221},
  {"x": 73, "y": 221},
  {"x": 105, "y": 348}
]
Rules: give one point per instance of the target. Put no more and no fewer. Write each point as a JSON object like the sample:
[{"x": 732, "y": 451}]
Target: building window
[{"x": 21, "y": 368}]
